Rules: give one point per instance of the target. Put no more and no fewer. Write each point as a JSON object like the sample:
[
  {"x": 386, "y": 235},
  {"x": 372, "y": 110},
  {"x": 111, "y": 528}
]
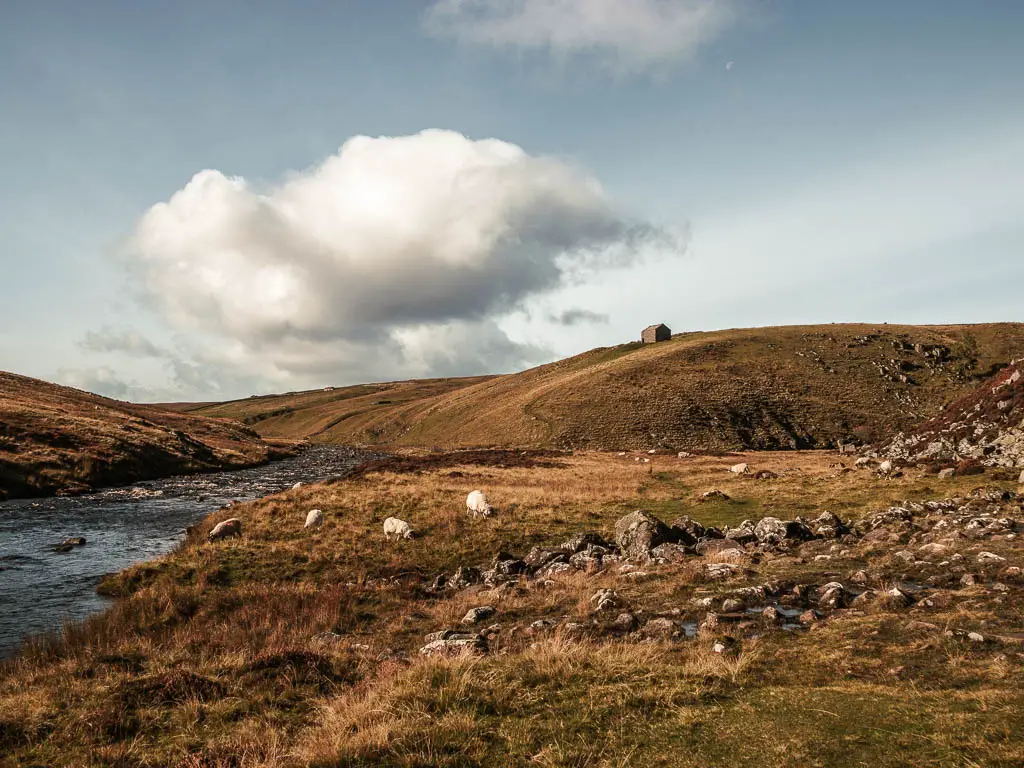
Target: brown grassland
[
  {"x": 754, "y": 388},
  {"x": 209, "y": 657}
]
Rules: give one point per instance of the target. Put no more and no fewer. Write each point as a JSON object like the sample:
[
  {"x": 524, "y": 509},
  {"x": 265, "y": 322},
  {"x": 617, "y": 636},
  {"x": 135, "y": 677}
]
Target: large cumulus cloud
[{"x": 392, "y": 257}]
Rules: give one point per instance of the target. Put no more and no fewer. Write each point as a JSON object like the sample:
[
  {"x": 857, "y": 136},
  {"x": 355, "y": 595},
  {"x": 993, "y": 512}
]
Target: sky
[{"x": 202, "y": 201}]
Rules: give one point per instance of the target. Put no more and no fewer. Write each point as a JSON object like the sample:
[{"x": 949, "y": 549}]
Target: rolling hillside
[
  {"x": 59, "y": 439},
  {"x": 761, "y": 388}
]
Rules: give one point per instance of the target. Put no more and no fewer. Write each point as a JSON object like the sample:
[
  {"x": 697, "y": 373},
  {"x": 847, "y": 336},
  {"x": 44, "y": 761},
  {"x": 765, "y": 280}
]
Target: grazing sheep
[
  {"x": 740, "y": 469},
  {"x": 222, "y": 530},
  {"x": 477, "y": 506},
  {"x": 399, "y": 529},
  {"x": 314, "y": 519},
  {"x": 885, "y": 468}
]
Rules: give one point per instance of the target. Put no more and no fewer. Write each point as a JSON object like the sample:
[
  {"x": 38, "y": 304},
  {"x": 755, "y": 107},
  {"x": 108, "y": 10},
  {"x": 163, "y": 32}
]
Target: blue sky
[{"x": 827, "y": 161}]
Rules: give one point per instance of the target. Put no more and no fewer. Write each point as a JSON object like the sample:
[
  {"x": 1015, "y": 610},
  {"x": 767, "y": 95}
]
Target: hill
[
  {"x": 985, "y": 426},
  {"x": 759, "y": 388},
  {"x": 58, "y": 439}
]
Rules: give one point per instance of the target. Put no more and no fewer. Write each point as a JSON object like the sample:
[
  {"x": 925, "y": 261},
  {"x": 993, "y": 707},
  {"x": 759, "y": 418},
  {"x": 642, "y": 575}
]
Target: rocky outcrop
[{"x": 985, "y": 426}]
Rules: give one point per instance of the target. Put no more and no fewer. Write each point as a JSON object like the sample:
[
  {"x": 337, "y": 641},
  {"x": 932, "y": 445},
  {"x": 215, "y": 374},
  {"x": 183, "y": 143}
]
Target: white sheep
[
  {"x": 885, "y": 468},
  {"x": 477, "y": 506},
  {"x": 222, "y": 530},
  {"x": 740, "y": 469},
  {"x": 393, "y": 527},
  {"x": 314, "y": 519}
]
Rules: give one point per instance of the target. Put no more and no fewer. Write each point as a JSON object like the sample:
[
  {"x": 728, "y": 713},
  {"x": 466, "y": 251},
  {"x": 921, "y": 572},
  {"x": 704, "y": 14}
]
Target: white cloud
[
  {"x": 391, "y": 258},
  {"x": 630, "y": 35}
]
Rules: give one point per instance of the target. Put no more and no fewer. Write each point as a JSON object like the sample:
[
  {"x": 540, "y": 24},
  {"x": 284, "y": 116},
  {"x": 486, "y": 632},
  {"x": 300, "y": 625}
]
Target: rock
[
  {"x": 771, "y": 615},
  {"x": 766, "y": 474},
  {"x": 74, "y": 541},
  {"x": 771, "y": 530},
  {"x": 589, "y": 560},
  {"x": 605, "y": 600},
  {"x": 732, "y": 605},
  {"x": 1020, "y": 479},
  {"x": 863, "y": 461},
  {"x": 739, "y": 469},
  {"x": 809, "y": 616},
  {"x": 686, "y": 530},
  {"x": 555, "y": 568},
  {"x": 932, "y": 548},
  {"x": 990, "y": 557},
  {"x": 897, "y": 598},
  {"x": 465, "y": 576},
  {"x": 327, "y": 638},
  {"x": 580, "y": 541},
  {"x": 660, "y": 627},
  {"x": 947, "y": 473},
  {"x": 625, "y": 622},
  {"x": 968, "y": 580},
  {"x": 920, "y": 626},
  {"x": 714, "y": 495},
  {"x": 539, "y": 557},
  {"x": 864, "y": 599},
  {"x": 743, "y": 533},
  {"x": 454, "y": 644},
  {"x": 832, "y": 596},
  {"x": 541, "y": 625},
  {"x": 828, "y": 526},
  {"x": 975, "y": 637},
  {"x": 719, "y": 571},
  {"x": 505, "y": 564},
  {"x": 638, "y": 533},
  {"x": 860, "y": 577},
  {"x": 669, "y": 553},
  {"x": 479, "y": 614}
]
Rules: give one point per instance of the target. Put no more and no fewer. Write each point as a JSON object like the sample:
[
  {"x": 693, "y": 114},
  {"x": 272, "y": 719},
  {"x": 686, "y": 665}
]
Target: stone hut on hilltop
[{"x": 653, "y": 333}]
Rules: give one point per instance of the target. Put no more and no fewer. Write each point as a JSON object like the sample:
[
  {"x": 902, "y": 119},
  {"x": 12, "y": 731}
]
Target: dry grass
[{"x": 210, "y": 657}]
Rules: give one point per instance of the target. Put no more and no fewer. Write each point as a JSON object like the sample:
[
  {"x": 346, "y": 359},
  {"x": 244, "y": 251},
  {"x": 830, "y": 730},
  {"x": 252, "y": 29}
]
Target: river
[{"x": 40, "y": 588}]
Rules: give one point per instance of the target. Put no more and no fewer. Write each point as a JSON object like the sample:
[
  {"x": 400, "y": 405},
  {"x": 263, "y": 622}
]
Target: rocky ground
[{"x": 632, "y": 609}]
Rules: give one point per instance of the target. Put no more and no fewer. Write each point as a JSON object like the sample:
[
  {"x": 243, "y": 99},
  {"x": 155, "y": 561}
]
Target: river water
[{"x": 41, "y": 588}]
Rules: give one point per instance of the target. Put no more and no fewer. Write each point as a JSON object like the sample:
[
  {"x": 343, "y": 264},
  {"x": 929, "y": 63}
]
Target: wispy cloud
[
  {"x": 626, "y": 35},
  {"x": 577, "y": 316}
]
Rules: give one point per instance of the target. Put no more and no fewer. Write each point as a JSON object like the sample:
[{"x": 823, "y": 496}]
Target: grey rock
[
  {"x": 660, "y": 627},
  {"x": 638, "y": 533},
  {"x": 465, "y": 576},
  {"x": 580, "y": 541},
  {"x": 539, "y": 557},
  {"x": 479, "y": 614},
  {"x": 454, "y": 644},
  {"x": 670, "y": 553}
]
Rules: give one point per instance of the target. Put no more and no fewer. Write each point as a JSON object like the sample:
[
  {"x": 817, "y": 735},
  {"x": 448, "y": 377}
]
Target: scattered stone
[
  {"x": 465, "y": 576},
  {"x": 766, "y": 474},
  {"x": 580, "y": 541},
  {"x": 74, "y": 541},
  {"x": 539, "y": 557},
  {"x": 897, "y": 598},
  {"x": 625, "y": 622},
  {"x": 505, "y": 564},
  {"x": 714, "y": 495},
  {"x": 975, "y": 637},
  {"x": 686, "y": 530},
  {"x": 771, "y": 615},
  {"x": 990, "y": 557},
  {"x": 743, "y": 533},
  {"x": 828, "y": 526},
  {"x": 771, "y": 530},
  {"x": 732, "y": 605},
  {"x": 660, "y": 627},
  {"x": 479, "y": 614},
  {"x": 832, "y": 596},
  {"x": 947, "y": 473},
  {"x": 589, "y": 560},
  {"x": 809, "y": 617},
  {"x": 920, "y": 626},
  {"x": 968, "y": 580},
  {"x": 719, "y": 571},
  {"x": 860, "y": 577},
  {"x": 328, "y": 637},
  {"x": 541, "y": 625},
  {"x": 605, "y": 600},
  {"x": 933, "y": 548},
  {"x": 454, "y": 643}
]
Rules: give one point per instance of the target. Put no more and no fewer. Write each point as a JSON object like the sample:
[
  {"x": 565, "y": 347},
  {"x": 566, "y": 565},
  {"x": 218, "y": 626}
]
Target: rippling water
[{"x": 40, "y": 588}]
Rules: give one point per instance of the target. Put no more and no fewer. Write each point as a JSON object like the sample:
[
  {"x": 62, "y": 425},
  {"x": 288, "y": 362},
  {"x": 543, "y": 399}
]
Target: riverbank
[
  {"x": 58, "y": 440},
  {"x": 892, "y": 636}
]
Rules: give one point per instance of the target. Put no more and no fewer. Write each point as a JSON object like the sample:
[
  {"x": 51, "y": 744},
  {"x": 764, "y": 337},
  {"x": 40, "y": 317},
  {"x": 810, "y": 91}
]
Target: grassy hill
[
  {"x": 760, "y": 388},
  {"x": 58, "y": 439}
]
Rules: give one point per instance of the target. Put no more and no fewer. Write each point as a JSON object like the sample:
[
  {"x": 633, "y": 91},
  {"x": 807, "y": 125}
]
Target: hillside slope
[
  {"x": 986, "y": 425},
  {"x": 760, "y": 388},
  {"x": 58, "y": 439}
]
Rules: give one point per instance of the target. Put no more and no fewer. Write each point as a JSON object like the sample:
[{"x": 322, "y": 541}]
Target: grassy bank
[{"x": 216, "y": 655}]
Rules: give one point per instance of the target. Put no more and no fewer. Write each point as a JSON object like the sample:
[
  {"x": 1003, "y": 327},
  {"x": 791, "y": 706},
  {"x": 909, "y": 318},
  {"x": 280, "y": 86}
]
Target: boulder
[
  {"x": 771, "y": 530},
  {"x": 590, "y": 559},
  {"x": 670, "y": 553},
  {"x": 539, "y": 557},
  {"x": 605, "y": 600},
  {"x": 743, "y": 533},
  {"x": 465, "y": 576},
  {"x": 453, "y": 644},
  {"x": 687, "y": 531},
  {"x": 505, "y": 564},
  {"x": 479, "y": 614},
  {"x": 832, "y": 596},
  {"x": 639, "y": 532},
  {"x": 580, "y": 541},
  {"x": 660, "y": 627},
  {"x": 828, "y": 526}
]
